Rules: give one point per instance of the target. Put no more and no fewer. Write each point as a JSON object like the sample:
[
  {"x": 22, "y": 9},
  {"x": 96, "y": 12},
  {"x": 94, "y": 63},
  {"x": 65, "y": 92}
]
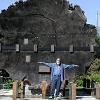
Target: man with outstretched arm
[{"x": 57, "y": 75}]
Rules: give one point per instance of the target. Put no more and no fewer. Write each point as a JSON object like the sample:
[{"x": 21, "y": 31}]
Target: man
[{"x": 57, "y": 75}]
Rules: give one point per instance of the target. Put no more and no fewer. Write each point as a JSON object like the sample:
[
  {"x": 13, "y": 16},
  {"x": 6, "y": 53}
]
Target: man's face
[{"x": 58, "y": 62}]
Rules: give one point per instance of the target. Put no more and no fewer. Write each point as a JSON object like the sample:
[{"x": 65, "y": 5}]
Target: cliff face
[
  {"x": 43, "y": 22},
  {"x": 49, "y": 19}
]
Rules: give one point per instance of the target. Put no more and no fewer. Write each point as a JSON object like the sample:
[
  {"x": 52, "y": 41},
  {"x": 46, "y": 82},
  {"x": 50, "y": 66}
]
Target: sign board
[{"x": 44, "y": 69}]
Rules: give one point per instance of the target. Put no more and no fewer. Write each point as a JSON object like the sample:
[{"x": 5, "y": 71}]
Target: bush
[
  {"x": 79, "y": 83},
  {"x": 8, "y": 84}
]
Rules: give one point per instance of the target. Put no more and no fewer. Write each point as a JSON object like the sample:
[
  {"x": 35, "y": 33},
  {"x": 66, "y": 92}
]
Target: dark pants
[{"x": 56, "y": 83}]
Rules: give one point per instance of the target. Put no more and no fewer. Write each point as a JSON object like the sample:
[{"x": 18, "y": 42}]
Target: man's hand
[
  {"x": 76, "y": 65},
  {"x": 63, "y": 84},
  {"x": 40, "y": 62}
]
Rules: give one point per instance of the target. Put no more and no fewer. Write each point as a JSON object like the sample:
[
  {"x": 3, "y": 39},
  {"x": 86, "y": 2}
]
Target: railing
[{"x": 12, "y": 48}]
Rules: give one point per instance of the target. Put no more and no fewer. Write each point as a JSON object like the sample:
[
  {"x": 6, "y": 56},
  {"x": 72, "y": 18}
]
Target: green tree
[
  {"x": 97, "y": 40},
  {"x": 94, "y": 70}
]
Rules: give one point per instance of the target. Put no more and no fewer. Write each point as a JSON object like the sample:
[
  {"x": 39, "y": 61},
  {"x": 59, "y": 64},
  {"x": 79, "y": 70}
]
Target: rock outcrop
[{"x": 44, "y": 22}]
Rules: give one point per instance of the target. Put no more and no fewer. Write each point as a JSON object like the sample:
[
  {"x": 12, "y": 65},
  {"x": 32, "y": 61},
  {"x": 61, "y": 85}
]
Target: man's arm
[
  {"x": 70, "y": 66},
  {"x": 48, "y": 64}
]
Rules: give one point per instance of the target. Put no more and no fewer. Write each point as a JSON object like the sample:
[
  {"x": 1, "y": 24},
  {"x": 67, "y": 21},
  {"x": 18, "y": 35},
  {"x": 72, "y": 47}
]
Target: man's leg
[
  {"x": 53, "y": 86},
  {"x": 58, "y": 85}
]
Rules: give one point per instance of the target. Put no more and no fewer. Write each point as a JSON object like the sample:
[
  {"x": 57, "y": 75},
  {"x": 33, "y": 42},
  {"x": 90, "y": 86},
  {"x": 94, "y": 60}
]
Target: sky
[
  {"x": 89, "y": 6},
  {"x": 5, "y": 3}
]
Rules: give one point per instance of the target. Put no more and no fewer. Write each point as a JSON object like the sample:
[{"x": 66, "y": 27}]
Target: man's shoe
[
  {"x": 51, "y": 97},
  {"x": 59, "y": 98}
]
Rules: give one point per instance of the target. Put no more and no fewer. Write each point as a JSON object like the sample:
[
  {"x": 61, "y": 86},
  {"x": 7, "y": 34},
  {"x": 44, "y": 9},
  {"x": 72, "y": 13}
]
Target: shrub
[
  {"x": 8, "y": 84},
  {"x": 79, "y": 83}
]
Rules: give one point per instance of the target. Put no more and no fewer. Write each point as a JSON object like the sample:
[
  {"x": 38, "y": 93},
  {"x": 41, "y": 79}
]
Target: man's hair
[{"x": 59, "y": 59}]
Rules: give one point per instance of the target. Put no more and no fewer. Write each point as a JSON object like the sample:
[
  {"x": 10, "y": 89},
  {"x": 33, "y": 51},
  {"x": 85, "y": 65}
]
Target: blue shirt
[
  {"x": 57, "y": 70},
  {"x": 60, "y": 71}
]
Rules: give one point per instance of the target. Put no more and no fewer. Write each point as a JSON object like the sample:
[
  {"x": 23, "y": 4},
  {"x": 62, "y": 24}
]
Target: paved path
[
  {"x": 7, "y": 95},
  {"x": 82, "y": 98},
  {"x": 86, "y": 98}
]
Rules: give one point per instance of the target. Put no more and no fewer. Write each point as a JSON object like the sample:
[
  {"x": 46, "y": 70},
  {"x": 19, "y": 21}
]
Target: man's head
[{"x": 58, "y": 61}]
